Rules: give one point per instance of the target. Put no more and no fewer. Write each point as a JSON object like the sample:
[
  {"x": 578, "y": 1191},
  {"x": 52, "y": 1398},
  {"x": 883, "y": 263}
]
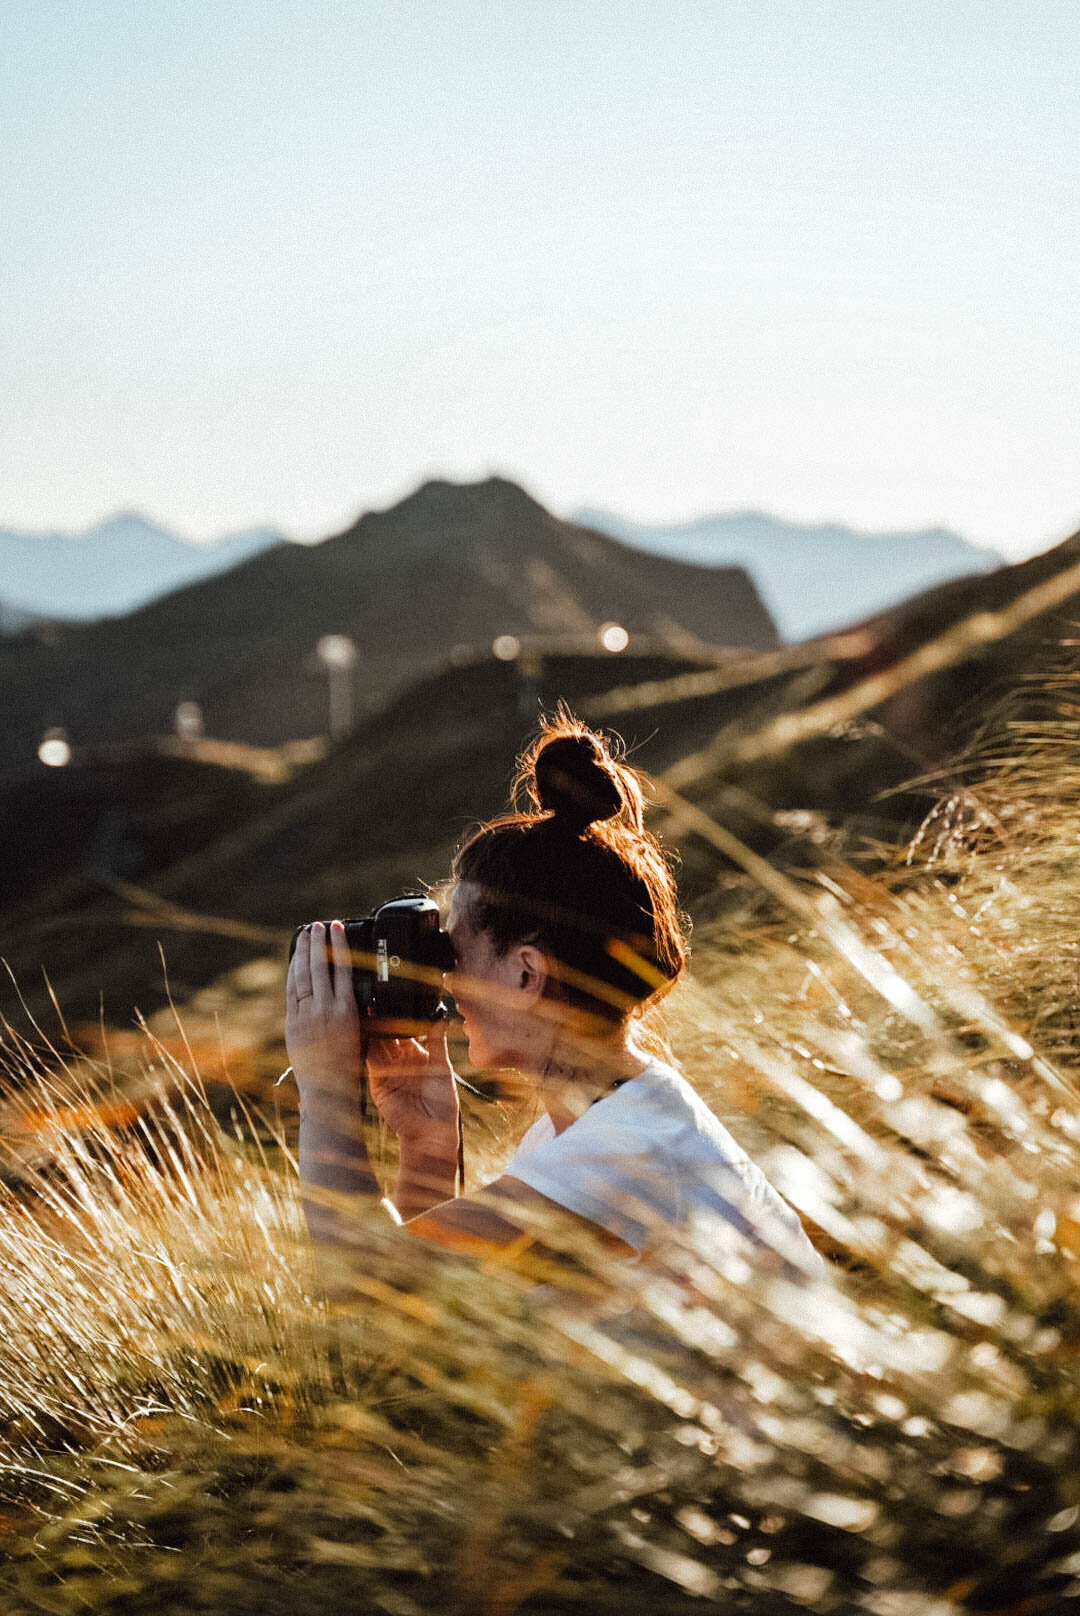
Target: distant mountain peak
[
  {"x": 442, "y": 494},
  {"x": 113, "y": 567},
  {"x": 814, "y": 576}
]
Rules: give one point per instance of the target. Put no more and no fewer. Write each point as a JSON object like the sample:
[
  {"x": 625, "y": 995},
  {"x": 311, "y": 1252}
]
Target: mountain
[
  {"x": 112, "y": 568},
  {"x": 812, "y": 578},
  {"x": 444, "y": 572},
  {"x": 13, "y": 620},
  {"x": 133, "y": 846}
]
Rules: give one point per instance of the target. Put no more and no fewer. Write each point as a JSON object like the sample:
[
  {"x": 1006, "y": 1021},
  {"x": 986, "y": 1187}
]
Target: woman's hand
[
  {"x": 412, "y": 1085},
  {"x": 322, "y": 1023}
]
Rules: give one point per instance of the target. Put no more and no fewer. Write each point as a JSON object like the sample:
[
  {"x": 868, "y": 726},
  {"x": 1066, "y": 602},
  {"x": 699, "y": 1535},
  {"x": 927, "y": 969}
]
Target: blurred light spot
[
  {"x": 956, "y": 1502},
  {"x": 982, "y": 1307},
  {"x": 806, "y": 1582},
  {"x": 953, "y": 1210},
  {"x": 978, "y": 1464},
  {"x": 188, "y": 720},
  {"x": 336, "y": 651},
  {"x": 698, "y": 1524},
  {"x": 506, "y": 647},
  {"x": 54, "y": 750},
  {"x": 834, "y": 1509},
  {"x": 613, "y": 637},
  {"x": 977, "y": 1411}
]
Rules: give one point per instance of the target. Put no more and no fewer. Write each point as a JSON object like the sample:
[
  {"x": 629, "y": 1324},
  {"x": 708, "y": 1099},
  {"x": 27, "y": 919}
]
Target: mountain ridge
[
  {"x": 814, "y": 576},
  {"x": 112, "y": 568},
  {"x": 451, "y": 566}
]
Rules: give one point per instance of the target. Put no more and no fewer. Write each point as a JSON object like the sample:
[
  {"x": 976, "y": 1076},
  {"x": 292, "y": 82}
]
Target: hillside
[
  {"x": 112, "y": 568},
  {"x": 812, "y": 577},
  {"x": 452, "y": 566},
  {"x": 846, "y": 725},
  {"x": 132, "y": 847}
]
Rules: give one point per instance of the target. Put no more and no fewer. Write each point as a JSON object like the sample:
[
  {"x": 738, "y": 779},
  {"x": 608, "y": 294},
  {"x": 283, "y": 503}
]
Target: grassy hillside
[
  {"x": 216, "y": 863},
  {"x": 788, "y": 749},
  {"x": 190, "y": 1423},
  {"x": 449, "y": 568}
]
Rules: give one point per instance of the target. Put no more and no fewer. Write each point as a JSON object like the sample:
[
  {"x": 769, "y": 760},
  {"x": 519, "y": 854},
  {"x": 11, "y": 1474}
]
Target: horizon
[
  {"x": 132, "y": 513},
  {"x": 272, "y": 268}
]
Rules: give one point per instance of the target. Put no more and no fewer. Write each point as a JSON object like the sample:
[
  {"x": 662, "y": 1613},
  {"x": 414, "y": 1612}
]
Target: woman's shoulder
[
  {"x": 715, "y": 1172},
  {"x": 537, "y": 1134},
  {"x": 660, "y": 1094}
]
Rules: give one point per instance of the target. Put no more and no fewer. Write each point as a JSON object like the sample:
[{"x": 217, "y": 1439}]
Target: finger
[
  {"x": 438, "y": 1047},
  {"x": 299, "y": 983},
  {"x": 339, "y": 948},
  {"x": 396, "y": 1052},
  {"x": 319, "y": 965},
  {"x": 382, "y": 1057}
]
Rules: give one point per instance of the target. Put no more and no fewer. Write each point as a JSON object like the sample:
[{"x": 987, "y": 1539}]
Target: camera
[{"x": 399, "y": 954}]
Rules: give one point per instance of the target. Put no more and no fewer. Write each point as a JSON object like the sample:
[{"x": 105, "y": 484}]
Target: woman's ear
[{"x": 533, "y": 970}]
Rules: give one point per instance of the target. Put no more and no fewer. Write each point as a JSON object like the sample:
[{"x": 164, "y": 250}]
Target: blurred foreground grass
[{"x": 189, "y": 1425}]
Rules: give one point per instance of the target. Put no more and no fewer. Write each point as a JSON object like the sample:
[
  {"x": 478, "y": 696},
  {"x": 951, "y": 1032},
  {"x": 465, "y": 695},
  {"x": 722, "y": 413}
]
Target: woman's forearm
[
  {"x": 333, "y": 1156},
  {"x": 427, "y": 1169}
]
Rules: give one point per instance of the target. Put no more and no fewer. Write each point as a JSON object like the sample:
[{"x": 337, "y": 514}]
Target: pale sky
[{"x": 273, "y": 261}]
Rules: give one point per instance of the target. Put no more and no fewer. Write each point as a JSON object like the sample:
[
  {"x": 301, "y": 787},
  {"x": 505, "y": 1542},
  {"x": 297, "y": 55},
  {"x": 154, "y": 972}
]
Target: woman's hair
[{"x": 574, "y": 871}]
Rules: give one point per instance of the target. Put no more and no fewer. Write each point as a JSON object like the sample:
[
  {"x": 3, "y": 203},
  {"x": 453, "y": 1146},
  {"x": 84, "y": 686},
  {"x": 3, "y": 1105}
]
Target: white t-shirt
[{"x": 650, "y": 1156}]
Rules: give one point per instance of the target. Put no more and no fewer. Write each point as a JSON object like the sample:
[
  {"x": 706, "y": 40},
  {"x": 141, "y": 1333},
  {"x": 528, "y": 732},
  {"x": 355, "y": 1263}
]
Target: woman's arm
[
  {"x": 412, "y": 1086},
  {"x": 322, "y": 1035},
  {"x": 511, "y": 1214}
]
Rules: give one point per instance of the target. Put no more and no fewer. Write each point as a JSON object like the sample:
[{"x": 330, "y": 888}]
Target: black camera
[{"x": 399, "y": 954}]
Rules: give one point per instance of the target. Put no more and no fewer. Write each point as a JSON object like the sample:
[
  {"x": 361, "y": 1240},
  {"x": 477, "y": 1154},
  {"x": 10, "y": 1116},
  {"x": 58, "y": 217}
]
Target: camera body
[{"x": 399, "y": 954}]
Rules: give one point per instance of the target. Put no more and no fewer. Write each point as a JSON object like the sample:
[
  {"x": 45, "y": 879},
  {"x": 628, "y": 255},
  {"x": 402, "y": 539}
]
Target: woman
[{"x": 565, "y": 928}]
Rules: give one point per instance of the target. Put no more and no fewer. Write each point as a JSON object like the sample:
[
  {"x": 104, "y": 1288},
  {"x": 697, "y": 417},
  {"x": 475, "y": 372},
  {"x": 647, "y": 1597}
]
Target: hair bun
[{"x": 574, "y": 783}]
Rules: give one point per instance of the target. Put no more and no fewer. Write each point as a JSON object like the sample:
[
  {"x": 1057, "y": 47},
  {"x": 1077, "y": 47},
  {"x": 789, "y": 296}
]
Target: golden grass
[{"x": 188, "y": 1424}]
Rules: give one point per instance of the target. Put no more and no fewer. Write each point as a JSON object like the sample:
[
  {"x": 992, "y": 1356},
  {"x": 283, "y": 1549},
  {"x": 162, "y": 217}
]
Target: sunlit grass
[{"x": 190, "y": 1424}]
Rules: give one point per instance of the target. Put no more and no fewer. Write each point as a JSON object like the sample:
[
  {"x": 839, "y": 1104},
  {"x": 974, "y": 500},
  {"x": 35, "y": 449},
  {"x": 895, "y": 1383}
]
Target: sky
[{"x": 273, "y": 261}]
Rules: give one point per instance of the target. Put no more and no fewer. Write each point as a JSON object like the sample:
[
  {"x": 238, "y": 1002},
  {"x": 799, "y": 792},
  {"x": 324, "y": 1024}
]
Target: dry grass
[{"x": 189, "y": 1425}]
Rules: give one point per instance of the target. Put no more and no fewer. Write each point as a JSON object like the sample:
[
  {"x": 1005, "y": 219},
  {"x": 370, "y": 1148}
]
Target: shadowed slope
[
  {"x": 450, "y": 566},
  {"x": 834, "y": 729}
]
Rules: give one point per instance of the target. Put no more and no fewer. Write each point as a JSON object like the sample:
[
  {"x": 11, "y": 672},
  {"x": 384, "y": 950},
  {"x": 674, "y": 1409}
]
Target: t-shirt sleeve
[
  {"x": 606, "y": 1167},
  {"x": 531, "y": 1140},
  {"x": 652, "y": 1158}
]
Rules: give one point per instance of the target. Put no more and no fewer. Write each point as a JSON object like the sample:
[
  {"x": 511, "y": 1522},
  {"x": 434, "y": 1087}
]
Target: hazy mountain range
[
  {"x": 812, "y": 578},
  {"x": 109, "y": 569}
]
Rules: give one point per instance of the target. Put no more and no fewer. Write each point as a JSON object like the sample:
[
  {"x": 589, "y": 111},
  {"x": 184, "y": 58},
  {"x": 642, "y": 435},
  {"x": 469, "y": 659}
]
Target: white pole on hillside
[{"x": 337, "y": 653}]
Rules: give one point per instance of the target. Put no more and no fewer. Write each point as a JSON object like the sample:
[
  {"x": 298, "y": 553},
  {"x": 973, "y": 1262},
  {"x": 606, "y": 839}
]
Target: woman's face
[{"x": 488, "y": 991}]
